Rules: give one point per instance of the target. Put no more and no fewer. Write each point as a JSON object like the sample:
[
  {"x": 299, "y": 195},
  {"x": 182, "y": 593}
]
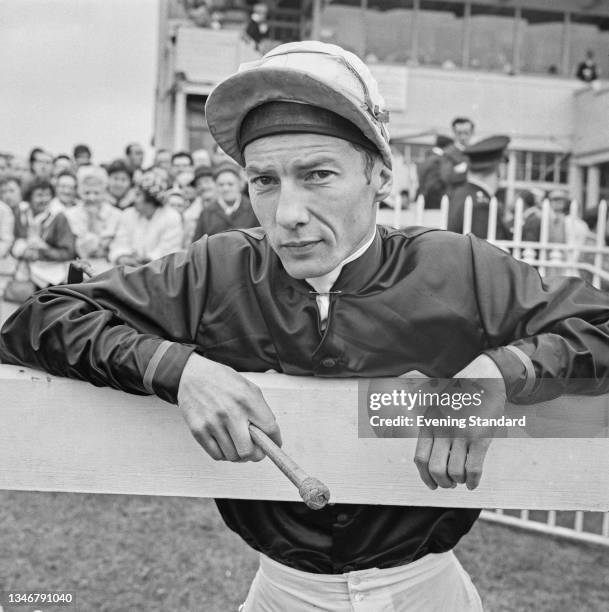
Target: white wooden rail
[{"x": 63, "y": 435}]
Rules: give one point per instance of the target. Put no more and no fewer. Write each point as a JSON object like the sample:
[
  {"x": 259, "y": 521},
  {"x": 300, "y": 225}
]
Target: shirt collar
[{"x": 323, "y": 284}]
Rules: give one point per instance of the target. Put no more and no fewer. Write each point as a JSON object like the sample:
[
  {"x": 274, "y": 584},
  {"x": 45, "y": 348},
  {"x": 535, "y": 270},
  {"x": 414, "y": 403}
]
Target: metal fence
[{"x": 588, "y": 258}]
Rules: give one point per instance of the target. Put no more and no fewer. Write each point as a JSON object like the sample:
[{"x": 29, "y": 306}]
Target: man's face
[
  {"x": 136, "y": 156},
  {"x": 163, "y": 160},
  {"x": 178, "y": 202},
  {"x": 463, "y": 132},
  {"x": 559, "y": 204},
  {"x": 180, "y": 164},
  {"x": 40, "y": 200},
  {"x": 228, "y": 186},
  {"x": 313, "y": 199},
  {"x": 206, "y": 187},
  {"x": 60, "y": 165},
  {"x": 42, "y": 165},
  {"x": 11, "y": 193},
  {"x": 118, "y": 184},
  {"x": 66, "y": 190},
  {"x": 19, "y": 167},
  {"x": 82, "y": 159},
  {"x": 91, "y": 193},
  {"x": 143, "y": 206}
]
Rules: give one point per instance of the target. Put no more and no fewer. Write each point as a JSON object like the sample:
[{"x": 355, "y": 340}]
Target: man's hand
[
  {"x": 218, "y": 405},
  {"x": 446, "y": 459}
]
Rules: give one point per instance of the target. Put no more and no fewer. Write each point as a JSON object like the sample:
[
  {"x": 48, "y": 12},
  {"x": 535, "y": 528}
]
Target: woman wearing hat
[{"x": 149, "y": 229}]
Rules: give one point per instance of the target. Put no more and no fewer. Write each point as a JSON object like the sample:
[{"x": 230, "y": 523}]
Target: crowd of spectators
[{"x": 57, "y": 209}]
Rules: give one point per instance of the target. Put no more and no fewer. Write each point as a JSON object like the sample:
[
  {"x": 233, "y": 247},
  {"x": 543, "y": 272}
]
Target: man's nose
[{"x": 291, "y": 207}]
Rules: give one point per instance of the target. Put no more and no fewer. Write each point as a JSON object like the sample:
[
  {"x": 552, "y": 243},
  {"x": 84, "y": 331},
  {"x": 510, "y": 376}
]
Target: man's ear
[{"x": 385, "y": 184}]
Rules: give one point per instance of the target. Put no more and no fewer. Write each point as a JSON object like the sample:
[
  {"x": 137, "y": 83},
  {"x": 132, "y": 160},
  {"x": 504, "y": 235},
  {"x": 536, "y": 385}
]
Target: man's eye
[
  {"x": 262, "y": 181},
  {"x": 319, "y": 175}
]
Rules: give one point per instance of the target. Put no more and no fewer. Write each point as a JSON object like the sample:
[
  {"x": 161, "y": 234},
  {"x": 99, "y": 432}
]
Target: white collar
[{"x": 323, "y": 284}]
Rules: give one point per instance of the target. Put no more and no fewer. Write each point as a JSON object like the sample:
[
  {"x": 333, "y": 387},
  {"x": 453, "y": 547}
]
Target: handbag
[{"x": 20, "y": 287}]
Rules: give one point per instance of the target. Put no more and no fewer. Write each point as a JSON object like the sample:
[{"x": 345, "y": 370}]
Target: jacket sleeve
[
  {"x": 131, "y": 329},
  {"x": 548, "y": 337}
]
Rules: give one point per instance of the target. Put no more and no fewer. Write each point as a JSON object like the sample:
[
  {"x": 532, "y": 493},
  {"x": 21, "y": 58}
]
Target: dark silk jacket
[{"x": 417, "y": 299}]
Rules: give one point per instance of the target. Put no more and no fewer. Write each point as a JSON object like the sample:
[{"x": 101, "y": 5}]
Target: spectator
[
  {"x": 175, "y": 199},
  {"x": 201, "y": 157},
  {"x": 564, "y": 227},
  {"x": 455, "y": 162},
  {"x": 184, "y": 182},
  {"x": 431, "y": 179},
  {"x": 162, "y": 159},
  {"x": 65, "y": 189},
  {"x": 43, "y": 237},
  {"x": 484, "y": 160},
  {"x": 7, "y": 228},
  {"x": 120, "y": 185},
  {"x": 41, "y": 164},
  {"x": 20, "y": 168},
  {"x": 61, "y": 163},
  {"x": 588, "y": 71},
  {"x": 148, "y": 230},
  {"x": 257, "y": 28},
  {"x": 404, "y": 199},
  {"x": 93, "y": 220},
  {"x": 531, "y": 216},
  {"x": 10, "y": 192},
  {"x": 82, "y": 155},
  {"x": 135, "y": 156},
  {"x": 206, "y": 194},
  {"x": 180, "y": 161},
  {"x": 231, "y": 210}
]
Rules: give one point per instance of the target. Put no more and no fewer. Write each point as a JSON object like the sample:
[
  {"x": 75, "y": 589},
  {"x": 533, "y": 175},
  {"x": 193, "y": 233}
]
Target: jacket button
[
  {"x": 342, "y": 517},
  {"x": 328, "y": 362}
]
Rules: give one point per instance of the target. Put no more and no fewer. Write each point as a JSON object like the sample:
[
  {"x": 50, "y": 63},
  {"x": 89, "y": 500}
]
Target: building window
[
  {"x": 541, "y": 41},
  {"x": 542, "y": 167},
  {"x": 388, "y": 28},
  {"x": 491, "y": 43},
  {"x": 198, "y": 136},
  {"x": 342, "y": 24},
  {"x": 589, "y": 33},
  {"x": 440, "y": 28}
]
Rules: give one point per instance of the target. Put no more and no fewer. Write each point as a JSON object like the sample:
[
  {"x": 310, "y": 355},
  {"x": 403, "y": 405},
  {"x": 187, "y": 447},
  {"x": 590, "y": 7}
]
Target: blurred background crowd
[{"x": 56, "y": 208}]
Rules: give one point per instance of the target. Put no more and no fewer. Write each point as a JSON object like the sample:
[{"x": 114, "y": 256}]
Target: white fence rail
[{"x": 583, "y": 253}]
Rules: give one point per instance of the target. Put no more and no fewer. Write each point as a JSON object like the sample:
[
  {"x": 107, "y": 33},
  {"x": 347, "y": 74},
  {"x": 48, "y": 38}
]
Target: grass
[{"x": 129, "y": 553}]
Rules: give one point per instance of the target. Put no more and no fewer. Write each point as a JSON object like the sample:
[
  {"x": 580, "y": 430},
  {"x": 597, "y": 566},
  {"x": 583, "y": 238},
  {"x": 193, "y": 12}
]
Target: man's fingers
[
  {"x": 456, "y": 461},
  {"x": 226, "y": 444},
  {"x": 475, "y": 461},
  {"x": 438, "y": 463},
  {"x": 421, "y": 459},
  {"x": 209, "y": 444},
  {"x": 244, "y": 445}
]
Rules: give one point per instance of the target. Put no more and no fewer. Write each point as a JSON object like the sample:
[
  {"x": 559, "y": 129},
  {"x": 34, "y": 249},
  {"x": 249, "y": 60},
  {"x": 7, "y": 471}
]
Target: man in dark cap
[
  {"x": 485, "y": 158},
  {"x": 231, "y": 209},
  {"x": 320, "y": 290},
  {"x": 432, "y": 184}
]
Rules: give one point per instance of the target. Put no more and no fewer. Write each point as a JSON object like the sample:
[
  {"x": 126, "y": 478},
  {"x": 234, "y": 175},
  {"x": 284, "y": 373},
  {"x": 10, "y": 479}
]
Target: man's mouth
[{"x": 299, "y": 244}]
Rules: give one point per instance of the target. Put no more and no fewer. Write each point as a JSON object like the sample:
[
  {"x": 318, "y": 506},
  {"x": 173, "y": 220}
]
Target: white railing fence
[{"x": 583, "y": 253}]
